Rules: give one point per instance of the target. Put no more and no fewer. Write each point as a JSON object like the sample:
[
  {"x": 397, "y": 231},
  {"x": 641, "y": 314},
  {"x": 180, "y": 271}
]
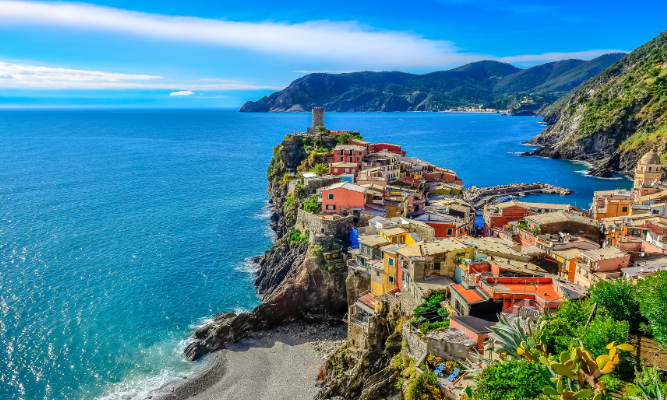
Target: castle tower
[
  {"x": 648, "y": 169},
  {"x": 318, "y": 116}
]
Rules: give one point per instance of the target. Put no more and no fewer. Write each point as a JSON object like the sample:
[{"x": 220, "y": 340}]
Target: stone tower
[
  {"x": 648, "y": 169},
  {"x": 318, "y": 116}
]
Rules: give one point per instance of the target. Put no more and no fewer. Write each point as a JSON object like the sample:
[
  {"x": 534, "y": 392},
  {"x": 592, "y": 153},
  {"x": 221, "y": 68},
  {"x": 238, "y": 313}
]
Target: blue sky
[{"x": 195, "y": 53}]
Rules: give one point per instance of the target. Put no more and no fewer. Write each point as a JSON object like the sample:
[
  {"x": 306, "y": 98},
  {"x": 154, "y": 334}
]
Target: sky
[{"x": 198, "y": 54}]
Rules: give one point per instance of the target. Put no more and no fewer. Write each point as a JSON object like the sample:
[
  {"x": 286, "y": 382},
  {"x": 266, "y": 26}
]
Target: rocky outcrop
[
  {"x": 614, "y": 118},
  {"x": 308, "y": 290},
  {"x": 366, "y": 375},
  {"x": 293, "y": 278}
]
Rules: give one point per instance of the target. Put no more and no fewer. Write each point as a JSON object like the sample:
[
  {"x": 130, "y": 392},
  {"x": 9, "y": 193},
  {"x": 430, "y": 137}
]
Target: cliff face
[
  {"x": 614, "y": 118},
  {"x": 489, "y": 83},
  {"x": 292, "y": 279}
]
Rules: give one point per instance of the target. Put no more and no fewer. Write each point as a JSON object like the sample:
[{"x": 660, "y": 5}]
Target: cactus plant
[{"x": 576, "y": 375}]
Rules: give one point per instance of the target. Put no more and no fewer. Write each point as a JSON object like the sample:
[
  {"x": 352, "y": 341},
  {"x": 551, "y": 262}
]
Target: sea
[{"x": 122, "y": 231}]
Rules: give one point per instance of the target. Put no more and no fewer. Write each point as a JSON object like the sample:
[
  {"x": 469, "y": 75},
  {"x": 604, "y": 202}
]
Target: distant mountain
[
  {"x": 614, "y": 118},
  {"x": 490, "y": 84}
]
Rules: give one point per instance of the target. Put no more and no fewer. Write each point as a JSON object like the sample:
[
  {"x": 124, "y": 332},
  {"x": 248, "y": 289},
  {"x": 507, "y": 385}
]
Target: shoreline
[{"x": 281, "y": 363}]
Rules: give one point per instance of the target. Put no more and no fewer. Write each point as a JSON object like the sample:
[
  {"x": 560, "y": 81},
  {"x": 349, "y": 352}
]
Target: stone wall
[
  {"x": 416, "y": 347},
  {"x": 316, "y": 183},
  {"x": 318, "y": 226}
]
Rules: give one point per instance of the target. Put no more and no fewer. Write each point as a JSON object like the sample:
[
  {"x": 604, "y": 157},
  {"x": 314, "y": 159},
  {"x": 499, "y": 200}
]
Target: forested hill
[
  {"x": 491, "y": 84},
  {"x": 614, "y": 118}
]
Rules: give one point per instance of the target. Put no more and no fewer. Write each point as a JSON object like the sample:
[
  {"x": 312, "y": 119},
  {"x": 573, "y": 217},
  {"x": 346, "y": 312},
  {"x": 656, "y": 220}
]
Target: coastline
[{"x": 281, "y": 363}]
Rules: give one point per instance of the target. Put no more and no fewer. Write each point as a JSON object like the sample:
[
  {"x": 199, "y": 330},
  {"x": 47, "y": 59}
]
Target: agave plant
[
  {"x": 577, "y": 374},
  {"x": 513, "y": 338},
  {"x": 653, "y": 393}
]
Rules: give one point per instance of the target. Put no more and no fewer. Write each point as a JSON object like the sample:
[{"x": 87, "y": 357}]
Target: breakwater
[{"x": 479, "y": 197}]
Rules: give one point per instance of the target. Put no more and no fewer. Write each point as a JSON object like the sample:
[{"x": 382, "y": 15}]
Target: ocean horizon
[{"x": 123, "y": 230}]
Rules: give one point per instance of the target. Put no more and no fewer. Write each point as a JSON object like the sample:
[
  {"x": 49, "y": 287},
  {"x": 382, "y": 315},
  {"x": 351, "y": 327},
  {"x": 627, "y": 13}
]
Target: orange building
[{"x": 343, "y": 198}]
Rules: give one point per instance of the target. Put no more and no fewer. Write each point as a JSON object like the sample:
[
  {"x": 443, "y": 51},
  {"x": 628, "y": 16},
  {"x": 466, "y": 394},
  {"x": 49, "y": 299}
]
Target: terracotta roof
[
  {"x": 469, "y": 295},
  {"x": 349, "y": 147},
  {"x": 368, "y": 300}
]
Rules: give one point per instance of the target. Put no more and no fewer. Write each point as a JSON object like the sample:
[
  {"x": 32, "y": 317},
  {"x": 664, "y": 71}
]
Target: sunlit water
[{"x": 122, "y": 231}]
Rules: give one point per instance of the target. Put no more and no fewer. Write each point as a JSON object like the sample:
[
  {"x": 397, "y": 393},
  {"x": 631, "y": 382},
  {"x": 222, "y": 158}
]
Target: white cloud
[
  {"x": 584, "y": 55},
  {"x": 182, "y": 93},
  {"x": 22, "y": 76},
  {"x": 323, "y": 39}
]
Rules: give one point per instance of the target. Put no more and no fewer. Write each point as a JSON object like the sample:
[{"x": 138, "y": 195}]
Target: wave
[
  {"x": 143, "y": 385},
  {"x": 584, "y": 172},
  {"x": 248, "y": 266}
]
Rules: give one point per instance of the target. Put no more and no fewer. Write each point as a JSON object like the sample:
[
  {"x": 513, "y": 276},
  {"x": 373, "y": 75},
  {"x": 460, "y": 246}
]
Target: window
[
  {"x": 335, "y": 169},
  {"x": 331, "y": 206},
  {"x": 377, "y": 273},
  {"x": 625, "y": 209},
  {"x": 391, "y": 279},
  {"x": 391, "y": 261},
  {"x": 449, "y": 231},
  {"x": 331, "y": 196},
  {"x": 436, "y": 266}
]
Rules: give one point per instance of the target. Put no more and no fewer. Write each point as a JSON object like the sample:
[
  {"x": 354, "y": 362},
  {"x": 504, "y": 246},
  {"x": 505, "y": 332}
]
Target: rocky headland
[{"x": 614, "y": 118}]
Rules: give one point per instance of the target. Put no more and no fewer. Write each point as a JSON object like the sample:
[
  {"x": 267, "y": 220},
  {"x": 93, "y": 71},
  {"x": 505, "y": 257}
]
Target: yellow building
[
  {"x": 648, "y": 170},
  {"x": 385, "y": 279}
]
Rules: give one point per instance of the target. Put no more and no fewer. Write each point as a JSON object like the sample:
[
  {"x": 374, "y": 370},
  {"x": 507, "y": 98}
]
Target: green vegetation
[
  {"x": 626, "y": 104},
  {"x": 343, "y": 138},
  {"x": 619, "y": 298},
  {"x": 312, "y": 205},
  {"x": 320, "y": 169},
  {"x": 297, "y": 236},
  {"x": 430, "y": 315},
  {"x": 424, "y": 387},
  {"x": 486, "y": 83},
  {"x": 509, "y": 380},
  {"x": 652, "y": 295}
]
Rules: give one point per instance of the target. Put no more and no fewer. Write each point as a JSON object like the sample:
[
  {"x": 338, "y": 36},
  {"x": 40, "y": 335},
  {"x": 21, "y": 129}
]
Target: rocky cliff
[
  {"x": 491, "y": 84},
  {"x": 614, "y": 118},
  {"x": 293, "y": 278}
]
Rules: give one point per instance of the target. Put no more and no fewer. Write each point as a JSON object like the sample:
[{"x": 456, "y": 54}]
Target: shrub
[
  {"x": 428, "y": 326},
  {"x": 312, "y": 205},
  {"x": 613, "y": 383},
  {"x": 424, "y": 387},
  {"x": 619, "y": 298},
  {"x": 343, "y": 138},
  {"x": 509, "y": 380},
  {"x": 560, "y": 329},
  {"x": 653, "y": 305}
]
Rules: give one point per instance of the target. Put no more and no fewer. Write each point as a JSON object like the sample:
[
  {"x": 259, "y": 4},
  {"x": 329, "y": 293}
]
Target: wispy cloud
[
  {"x": 24, "y": 76},
  {"x": 182, "y": 93},
  {"x": 324, "y": 39},
  {"x": 584, "y": 55}
]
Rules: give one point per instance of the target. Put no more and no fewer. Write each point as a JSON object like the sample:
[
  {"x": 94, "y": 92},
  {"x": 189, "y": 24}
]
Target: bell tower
[{"x": 648, "y": 169}]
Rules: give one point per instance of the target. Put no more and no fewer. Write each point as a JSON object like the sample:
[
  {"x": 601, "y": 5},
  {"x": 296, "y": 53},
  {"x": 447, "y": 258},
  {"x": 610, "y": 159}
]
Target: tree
[
  {"x": 321, "y": 131},
  {"x": 320, "y": 169},
  {"x": 343, "y": 138},
  {"x": 619, "y": 298},
  {"x": 653, "y": 305}
]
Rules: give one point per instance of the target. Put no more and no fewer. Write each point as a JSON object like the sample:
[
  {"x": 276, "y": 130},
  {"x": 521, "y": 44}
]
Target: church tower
[{"x": 648, "y": 169}]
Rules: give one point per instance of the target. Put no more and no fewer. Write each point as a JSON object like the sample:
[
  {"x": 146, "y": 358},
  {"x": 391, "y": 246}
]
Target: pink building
[
  {"x": 343, "y": 198},
  {"x": 600, "y": 264},
  {"x": 392, "y": 148},
  {"x": 349, "y": 153},
  {"x": 344, "y": 167}
]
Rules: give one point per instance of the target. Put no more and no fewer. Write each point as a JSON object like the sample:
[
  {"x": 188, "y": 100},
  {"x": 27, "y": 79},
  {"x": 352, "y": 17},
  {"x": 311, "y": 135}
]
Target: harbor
[{"x": 478, "y": 197}]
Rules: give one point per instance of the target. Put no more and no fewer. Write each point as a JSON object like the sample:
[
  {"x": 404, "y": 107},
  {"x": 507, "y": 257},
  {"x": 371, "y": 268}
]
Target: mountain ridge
[
  {"x": 614, "y": 118},
  {"x": 486, "y": 83}
]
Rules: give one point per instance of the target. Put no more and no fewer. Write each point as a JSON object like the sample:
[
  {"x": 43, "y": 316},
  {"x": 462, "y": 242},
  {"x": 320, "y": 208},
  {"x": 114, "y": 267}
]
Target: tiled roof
[
  {"x": 346, "y": 185},
  {"x": 393, "y": 231},
  {"x": 442, "y": 246},
  {"x": 349, "y": 147},
  {"x": 469, "y": 295},
  {"x": 344, "y": 164}
]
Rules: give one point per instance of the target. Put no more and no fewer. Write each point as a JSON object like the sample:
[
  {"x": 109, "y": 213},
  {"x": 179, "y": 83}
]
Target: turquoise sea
[{"x": 122, "y": 231}]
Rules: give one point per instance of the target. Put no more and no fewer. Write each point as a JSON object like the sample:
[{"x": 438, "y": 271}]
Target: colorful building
[
  {"x": 343, "y": 198},
  {"x": 349, "y": 153}
]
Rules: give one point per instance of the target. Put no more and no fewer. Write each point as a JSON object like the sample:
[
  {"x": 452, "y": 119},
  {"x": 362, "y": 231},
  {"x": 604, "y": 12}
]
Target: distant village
[{"x": 413, "y": 234}]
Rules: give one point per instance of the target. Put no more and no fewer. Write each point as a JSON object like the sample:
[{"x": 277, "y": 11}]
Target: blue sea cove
[{"x": 121, "y": 231}]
